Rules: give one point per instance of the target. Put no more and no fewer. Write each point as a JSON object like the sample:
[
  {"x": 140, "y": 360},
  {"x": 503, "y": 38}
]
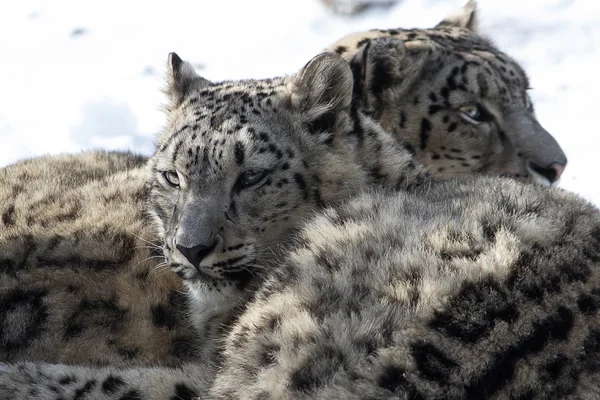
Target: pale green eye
[
  {"x": 476, "y": 114},
  {"x": 251, "y": 177},
  {"x": 472, "y": 112},
  {"x": 171, "y": 178}
]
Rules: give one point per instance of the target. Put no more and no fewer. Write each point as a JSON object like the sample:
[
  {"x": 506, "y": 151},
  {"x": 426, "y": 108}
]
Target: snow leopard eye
[
  {"x": 171, "y": 178},
  {"x": 251, "y": 177},
  {"x": 475, "y": 114}
]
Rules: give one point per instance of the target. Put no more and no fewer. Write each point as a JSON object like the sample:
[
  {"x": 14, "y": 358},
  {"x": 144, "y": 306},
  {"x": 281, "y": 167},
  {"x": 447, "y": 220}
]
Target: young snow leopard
[
  {"x": 92, "y": 280},
  {"x": 468, "y": 288},
  {"x": 453, "y": 99}
]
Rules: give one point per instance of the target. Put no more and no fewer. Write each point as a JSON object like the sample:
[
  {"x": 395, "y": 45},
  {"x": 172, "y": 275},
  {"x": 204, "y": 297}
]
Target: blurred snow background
[{"x": 81, "y": 74}]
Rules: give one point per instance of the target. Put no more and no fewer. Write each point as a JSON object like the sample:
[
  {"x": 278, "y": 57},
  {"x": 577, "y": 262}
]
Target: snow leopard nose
[
  {"x": 196, "y": 253},
  {"x": 551, "y": 172}
]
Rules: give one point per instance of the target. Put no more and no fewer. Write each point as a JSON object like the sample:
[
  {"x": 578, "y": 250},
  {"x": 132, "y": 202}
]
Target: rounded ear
[
  {"x": 324, "y": 85},
  {"x": 181, "y": 78},
  {"x": 465, "y": 18}
]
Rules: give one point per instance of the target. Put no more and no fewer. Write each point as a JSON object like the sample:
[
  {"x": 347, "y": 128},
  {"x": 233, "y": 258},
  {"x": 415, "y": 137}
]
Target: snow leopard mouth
[{"x": 238, "y": 274}]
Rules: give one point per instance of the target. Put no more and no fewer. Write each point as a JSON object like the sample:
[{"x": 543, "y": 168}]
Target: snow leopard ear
[
  {"x": 181, "y": 79},
  {"x": 465, "y": 18},
  {"x": 323, "y": 87},
  {"x": 383, "y": 70}
]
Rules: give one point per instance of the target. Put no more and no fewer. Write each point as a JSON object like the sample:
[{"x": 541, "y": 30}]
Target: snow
[{"x": 82, "y": 74}]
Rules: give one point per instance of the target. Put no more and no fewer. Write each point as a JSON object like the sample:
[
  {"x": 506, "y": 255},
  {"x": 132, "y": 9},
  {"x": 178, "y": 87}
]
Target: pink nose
[{"x": 552, "y": 172}]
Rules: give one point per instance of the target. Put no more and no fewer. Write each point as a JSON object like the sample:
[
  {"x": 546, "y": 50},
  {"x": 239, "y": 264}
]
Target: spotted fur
[
  {"x": 471, "y": 288},
  {"x": 422, "y": 84},
  {"x": 78, "y": 276}
]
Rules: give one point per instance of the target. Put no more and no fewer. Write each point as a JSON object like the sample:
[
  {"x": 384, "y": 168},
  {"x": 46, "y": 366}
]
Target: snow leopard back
[{"x": 469, "y": 289}]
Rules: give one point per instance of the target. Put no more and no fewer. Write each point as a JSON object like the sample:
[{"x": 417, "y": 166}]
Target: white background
[{"x": 81, "y": 74}]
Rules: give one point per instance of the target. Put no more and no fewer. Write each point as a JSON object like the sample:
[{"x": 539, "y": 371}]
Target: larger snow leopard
[
  {"x": 468, "y": 113},
  {"x": 416, "y": 288},
  {"x": 103, "y": 299}
]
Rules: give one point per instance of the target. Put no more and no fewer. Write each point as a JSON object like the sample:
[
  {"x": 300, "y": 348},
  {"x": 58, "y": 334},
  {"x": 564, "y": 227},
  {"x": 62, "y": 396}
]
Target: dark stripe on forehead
[
  {"x": 239, "y": 152},
  {"x": 176, "y": 150},
  {"x": 483, "y": 85},
  {"x": 167, "y": 143}
]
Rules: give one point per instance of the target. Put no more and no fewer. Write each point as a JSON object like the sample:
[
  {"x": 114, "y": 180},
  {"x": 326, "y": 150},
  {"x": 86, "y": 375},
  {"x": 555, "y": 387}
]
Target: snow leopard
[
  {"x": 457, "y": 102},
  {"x": 85, "y": 259}
]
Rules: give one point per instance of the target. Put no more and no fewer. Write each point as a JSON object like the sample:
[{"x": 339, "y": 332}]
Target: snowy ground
[{"x": 80, "y": 74}]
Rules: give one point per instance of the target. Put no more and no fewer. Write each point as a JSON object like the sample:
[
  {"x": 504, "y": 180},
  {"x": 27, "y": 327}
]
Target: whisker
[
  {"x": 146, "y": 240},
  {"x": 159, "y": 270},
  {"x": 146, "y": 259},
  {"x": 147, "y": 247}
]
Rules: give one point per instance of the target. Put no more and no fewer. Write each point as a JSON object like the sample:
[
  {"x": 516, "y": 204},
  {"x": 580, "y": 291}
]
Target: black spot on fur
[
  {"x": 98, "y": 313},
  {"x": 340, "y": 49},
  {"x": 29, "y": 308},
  {"x": 301, "y": 185},
  {"x": 7, "y": 215},
  {"x": 409, "y": 148},
  {"x": 450, "y": 81},
  {"x": 163, "y": 316},
  {"x": 239, "y": 153},
  {"x": 112, "y": 384},
  {"x": 474, "y": 311},
  {"x": 555, "y": 366},
  {"x": 575, "y": 272},
  {"x": 490, "y": 230},
  {"x": 80, "y": 393},
  {"x": 432, "y": 363},
  {"x": 184, "y": 392},
  {"x": 317, "y": 370},
  {"x": 561, "y": 374},
  {"x": 132, "y": 395},
  {"x": 588, "y": 304},
  {"x": 445, "y": 92},
  {"x": 500, "y": 371},
  {"x": 361, "y": 42},
  {"x": 66, "y": 380},
  {"x": 434, "y": 108},
  {"x": 402, "y": 119},
  {"x": 268, "y": 355},
  {"x": 425, "y": 130}
]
